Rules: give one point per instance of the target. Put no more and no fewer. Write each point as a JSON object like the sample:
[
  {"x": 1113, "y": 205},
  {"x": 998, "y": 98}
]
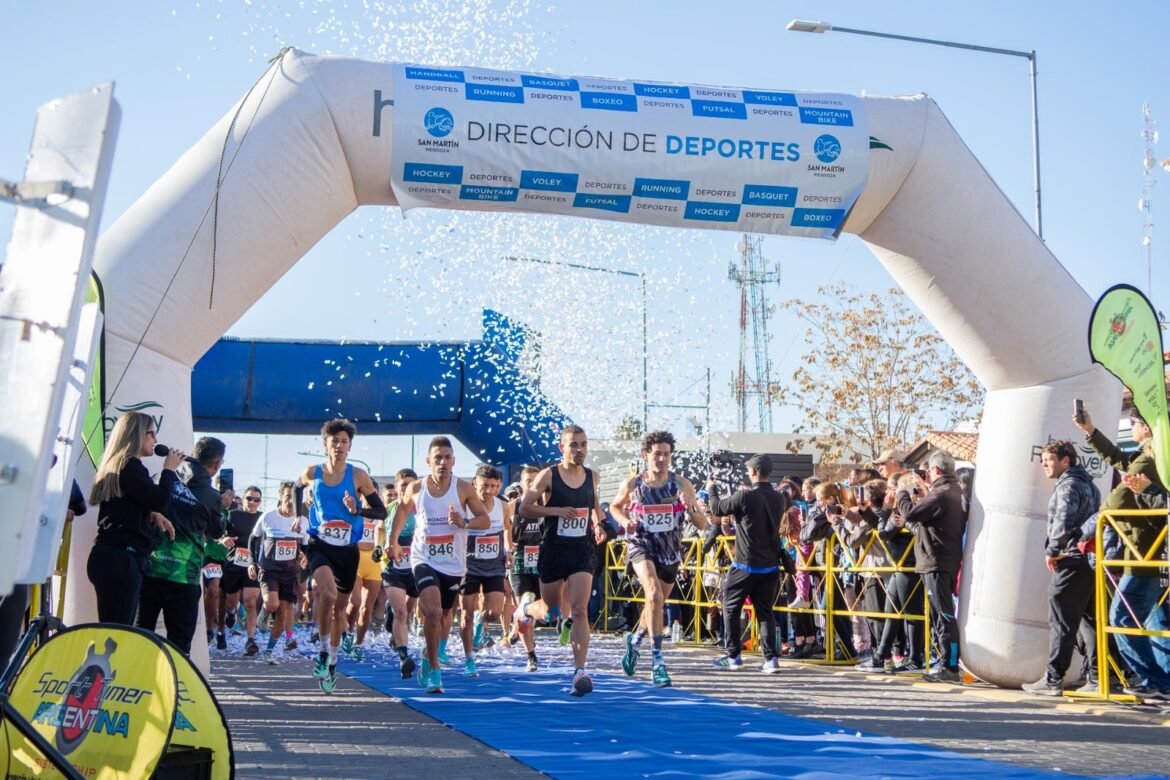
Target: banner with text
[
  {"x": 665, "y": 154},
  {"x": 1124, "y": 337}
]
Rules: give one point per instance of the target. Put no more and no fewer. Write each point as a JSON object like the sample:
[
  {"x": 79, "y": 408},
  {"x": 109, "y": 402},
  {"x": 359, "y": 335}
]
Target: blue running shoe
[
  {"x": 631, "y": 656},
  {"x": 435, "y": 681},
  {"x": 443, "y": 657},
  {"x": 727, "y": 662}
]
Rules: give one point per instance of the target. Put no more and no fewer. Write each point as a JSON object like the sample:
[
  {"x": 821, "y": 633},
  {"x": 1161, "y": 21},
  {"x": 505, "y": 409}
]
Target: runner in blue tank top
[
  {"x": 652, "y": 507},
  {"x": 335, "y": 526},
  {"x": 565, "y": 496}
]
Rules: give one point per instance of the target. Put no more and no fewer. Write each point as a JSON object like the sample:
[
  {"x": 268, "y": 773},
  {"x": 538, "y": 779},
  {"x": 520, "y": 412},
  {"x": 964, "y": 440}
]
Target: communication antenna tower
[
  {"x": 1145, "y": 205},
  {"x": 753, "y": 378}
]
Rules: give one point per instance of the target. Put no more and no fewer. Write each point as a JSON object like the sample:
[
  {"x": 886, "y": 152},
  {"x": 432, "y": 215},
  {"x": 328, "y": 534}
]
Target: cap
[{"x": 886, "y": 455}]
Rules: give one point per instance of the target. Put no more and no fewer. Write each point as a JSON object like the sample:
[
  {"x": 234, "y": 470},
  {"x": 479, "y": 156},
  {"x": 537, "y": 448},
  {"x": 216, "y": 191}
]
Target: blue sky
[{"x": 180, "y": 65}]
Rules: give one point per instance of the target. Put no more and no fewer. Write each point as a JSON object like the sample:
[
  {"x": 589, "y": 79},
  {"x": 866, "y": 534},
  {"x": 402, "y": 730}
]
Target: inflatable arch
[{"x": 929, "y": 211}]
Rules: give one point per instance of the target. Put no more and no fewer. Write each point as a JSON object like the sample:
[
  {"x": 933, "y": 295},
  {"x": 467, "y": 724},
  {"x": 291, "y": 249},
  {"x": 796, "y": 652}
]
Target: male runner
[
  {"x": 487, "y": 565},
  {"x": 335, "y": 525},
  {"x": 276, "y": 550},
  {"x": 236, "y": 577},
  {"x": 360, "y": 609},
  {"x": 215, "y": 556},
  {"x": 652, "y": 507},
  {"x": 525, "y": 556},
  {"x": 445, "y": 508},
  {"x": 568, "y": 492},
  {"x": 399, "y": 578}
]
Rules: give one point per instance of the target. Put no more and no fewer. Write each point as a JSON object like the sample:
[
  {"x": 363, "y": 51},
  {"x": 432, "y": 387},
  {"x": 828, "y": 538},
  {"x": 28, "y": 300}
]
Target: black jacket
[
  {"x": 938, "y": 521},
  {"x": 757, "y": 511},
  {"x": 208, "y": 514},
  {"x": 125, "y": 521}
]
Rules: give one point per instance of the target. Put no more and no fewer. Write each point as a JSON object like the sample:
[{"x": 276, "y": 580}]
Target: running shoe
[
  {"x": 469, "y": 669},
  {"x": 270, "y": 658},
  {"x": 944, "y": 675},
  {"x": 478, "y": 637},
  {"x": 330, "y": 682},
  {"x": 443, "y": 657},
  {"x": 346, "y": 642},
  {"x": 220, "y": 642},
  {"x": 890, "y": 666},
  {"x": 321, "y": 666},
  {"x": 771, "y": 666},
  {"x": 631, "y": 656},
  {"x": 531, "y": 666},
  {"x": 435, "y": 681},
  {"x": 314, "y": 636},
  {"x": 564, "y": 631},
  {"x": 1044, "y": 687},
  {"x": 658, "y": 676},
  {"x": 358, "y": 653},
  {"x": 251, "y": 648},
  {"x": 423, "y": 674},
  {"x": 520, "y": 616},
  {"x": 582, "y": 683},
  {"x": 290, "y": 645},
  {"x": 407, "y": 664},
  {"x": 727, "y": 662}
]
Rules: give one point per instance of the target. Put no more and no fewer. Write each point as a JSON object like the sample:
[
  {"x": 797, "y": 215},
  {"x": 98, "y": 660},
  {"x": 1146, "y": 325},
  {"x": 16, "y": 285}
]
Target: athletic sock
[
  {"x": 639, "y": 635},
  {"x": 532, "y": 656},
  {"x": 333, "y": 651},
  {"x": 401, "y": 652},
  {"x": 554, "y": 614},
  {"x": 658, "y": 644},
  {"x": 442, "y": 645},
  {"x": 287, "y": 635},
  {"x": 271, "y": 642},
  {"x": 656, "y": 657}
]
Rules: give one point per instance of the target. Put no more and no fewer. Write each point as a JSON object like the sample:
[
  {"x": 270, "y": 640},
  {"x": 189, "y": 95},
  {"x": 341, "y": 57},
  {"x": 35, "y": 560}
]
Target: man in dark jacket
[
  {"x": 172, "y": 583},
  {"x": 1070, "y": 592},
  {"x": 938, "y": 521},
  {"x": 755, "y": 571}
]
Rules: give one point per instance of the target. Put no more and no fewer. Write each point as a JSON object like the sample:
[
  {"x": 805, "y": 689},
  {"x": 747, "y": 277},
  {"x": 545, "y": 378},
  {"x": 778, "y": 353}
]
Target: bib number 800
[{"x": 574, "y": 526}]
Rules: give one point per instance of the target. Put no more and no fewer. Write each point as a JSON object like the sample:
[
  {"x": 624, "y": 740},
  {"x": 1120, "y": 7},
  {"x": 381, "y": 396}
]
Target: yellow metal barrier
[
  {"x": 1107, "y": 589},
  {"x": 827, "y": 596}
]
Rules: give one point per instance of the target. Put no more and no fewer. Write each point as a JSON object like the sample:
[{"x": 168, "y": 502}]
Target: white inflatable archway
[{"x": 929, "y": 211}]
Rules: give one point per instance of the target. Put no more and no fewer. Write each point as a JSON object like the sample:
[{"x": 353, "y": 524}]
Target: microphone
[{"x": 162, "y": 450}]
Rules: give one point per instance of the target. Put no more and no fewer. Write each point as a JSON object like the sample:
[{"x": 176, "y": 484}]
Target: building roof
[{"x": 961, "y": 446}]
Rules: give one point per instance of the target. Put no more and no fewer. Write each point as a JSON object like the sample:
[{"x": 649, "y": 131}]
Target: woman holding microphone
[{"x": 129, "y": 515}]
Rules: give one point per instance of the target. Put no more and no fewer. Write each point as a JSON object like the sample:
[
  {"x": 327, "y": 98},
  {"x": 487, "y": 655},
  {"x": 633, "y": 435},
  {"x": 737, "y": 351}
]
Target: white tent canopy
[{"x": 300, "y": 156}]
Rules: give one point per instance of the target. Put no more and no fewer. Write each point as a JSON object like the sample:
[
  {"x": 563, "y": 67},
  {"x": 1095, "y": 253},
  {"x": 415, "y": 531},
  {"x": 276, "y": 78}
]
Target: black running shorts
[
  {"x": 284, "y": 583},
  {"x": 559, "y": 562},
  {"x": 448, "y": 585},
  {"x": 667, "y": 572},
  {"x": 403, "y": 579},
  {"x": 235, "y": 579},
  {"x": 474, "y": 583},
  {"x": 342, "y": 560}
]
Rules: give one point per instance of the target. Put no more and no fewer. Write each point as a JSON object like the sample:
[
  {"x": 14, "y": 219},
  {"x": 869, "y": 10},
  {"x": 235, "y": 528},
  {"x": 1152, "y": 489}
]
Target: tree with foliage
[{"x": 874, "y": 375}]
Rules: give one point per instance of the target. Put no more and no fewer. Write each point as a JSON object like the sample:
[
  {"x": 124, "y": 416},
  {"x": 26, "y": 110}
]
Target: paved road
[{"x": 283, "y": 727}]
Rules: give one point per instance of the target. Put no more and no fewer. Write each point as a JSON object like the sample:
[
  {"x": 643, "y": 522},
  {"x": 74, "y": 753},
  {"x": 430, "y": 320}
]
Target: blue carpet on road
[{"x": 626, "y": 728}]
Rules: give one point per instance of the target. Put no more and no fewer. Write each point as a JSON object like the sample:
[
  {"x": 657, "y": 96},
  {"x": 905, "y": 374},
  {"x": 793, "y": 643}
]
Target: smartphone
[
  {"x": 227, "y": 480},
  {"x": 860, "y": 491},
  {"x": 1079, "y": 411}
]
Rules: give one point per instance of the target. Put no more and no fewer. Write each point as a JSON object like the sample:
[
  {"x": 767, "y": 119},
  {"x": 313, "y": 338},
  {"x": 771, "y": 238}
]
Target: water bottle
[{"x": 675, "y": 632}]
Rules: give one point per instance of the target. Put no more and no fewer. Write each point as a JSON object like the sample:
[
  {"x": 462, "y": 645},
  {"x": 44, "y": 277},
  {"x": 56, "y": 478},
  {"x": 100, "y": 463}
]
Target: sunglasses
[{"x": 251, "y": 499}]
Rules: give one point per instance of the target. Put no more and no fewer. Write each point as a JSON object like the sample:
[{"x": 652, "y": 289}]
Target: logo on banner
[
  {"x": 144, "y": 407},
  {"x": 81, "y": 712},
  {"x": 827, "y": 148},
  {"x": 439, "y": 122}
]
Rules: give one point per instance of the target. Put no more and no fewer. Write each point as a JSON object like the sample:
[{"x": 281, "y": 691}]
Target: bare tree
[{"x": 874, "y": 375}]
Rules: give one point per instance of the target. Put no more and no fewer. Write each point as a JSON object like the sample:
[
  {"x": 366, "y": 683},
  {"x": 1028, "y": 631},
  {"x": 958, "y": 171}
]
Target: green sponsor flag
[{"x": 1124, "y": 336}]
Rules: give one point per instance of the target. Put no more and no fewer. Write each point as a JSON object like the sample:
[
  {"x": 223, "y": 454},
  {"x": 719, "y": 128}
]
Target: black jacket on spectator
[
  {"x": 938, "y": 521},
  {"x": 209, "y": 512},
  {"x": 1074, "y": 500},
  {"x": 757, "y": 511},
  {"x": 126, "y": 520}
]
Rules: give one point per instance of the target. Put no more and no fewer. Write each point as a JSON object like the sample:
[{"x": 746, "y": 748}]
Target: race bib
[
  {"x": 369, "y": 531},
  {"x": 440, "y": 549},
  {"x": 212, "y": 571},
  {"x": 243, "y": 557},
  {"x": 658, "y": 518},
  {"x": 531, "y": 556},
  {"x": 576, "y": 526},
  {"x": 334, "y": 532},
  {"x": 487, "y": 547},
  {"x": 286, "y": 550}
]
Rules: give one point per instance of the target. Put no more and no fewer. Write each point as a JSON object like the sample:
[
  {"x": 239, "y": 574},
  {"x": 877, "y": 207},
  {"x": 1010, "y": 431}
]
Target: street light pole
[
  {"x": 798, "y": 25},
  {"x": 645, "y": 331}
]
